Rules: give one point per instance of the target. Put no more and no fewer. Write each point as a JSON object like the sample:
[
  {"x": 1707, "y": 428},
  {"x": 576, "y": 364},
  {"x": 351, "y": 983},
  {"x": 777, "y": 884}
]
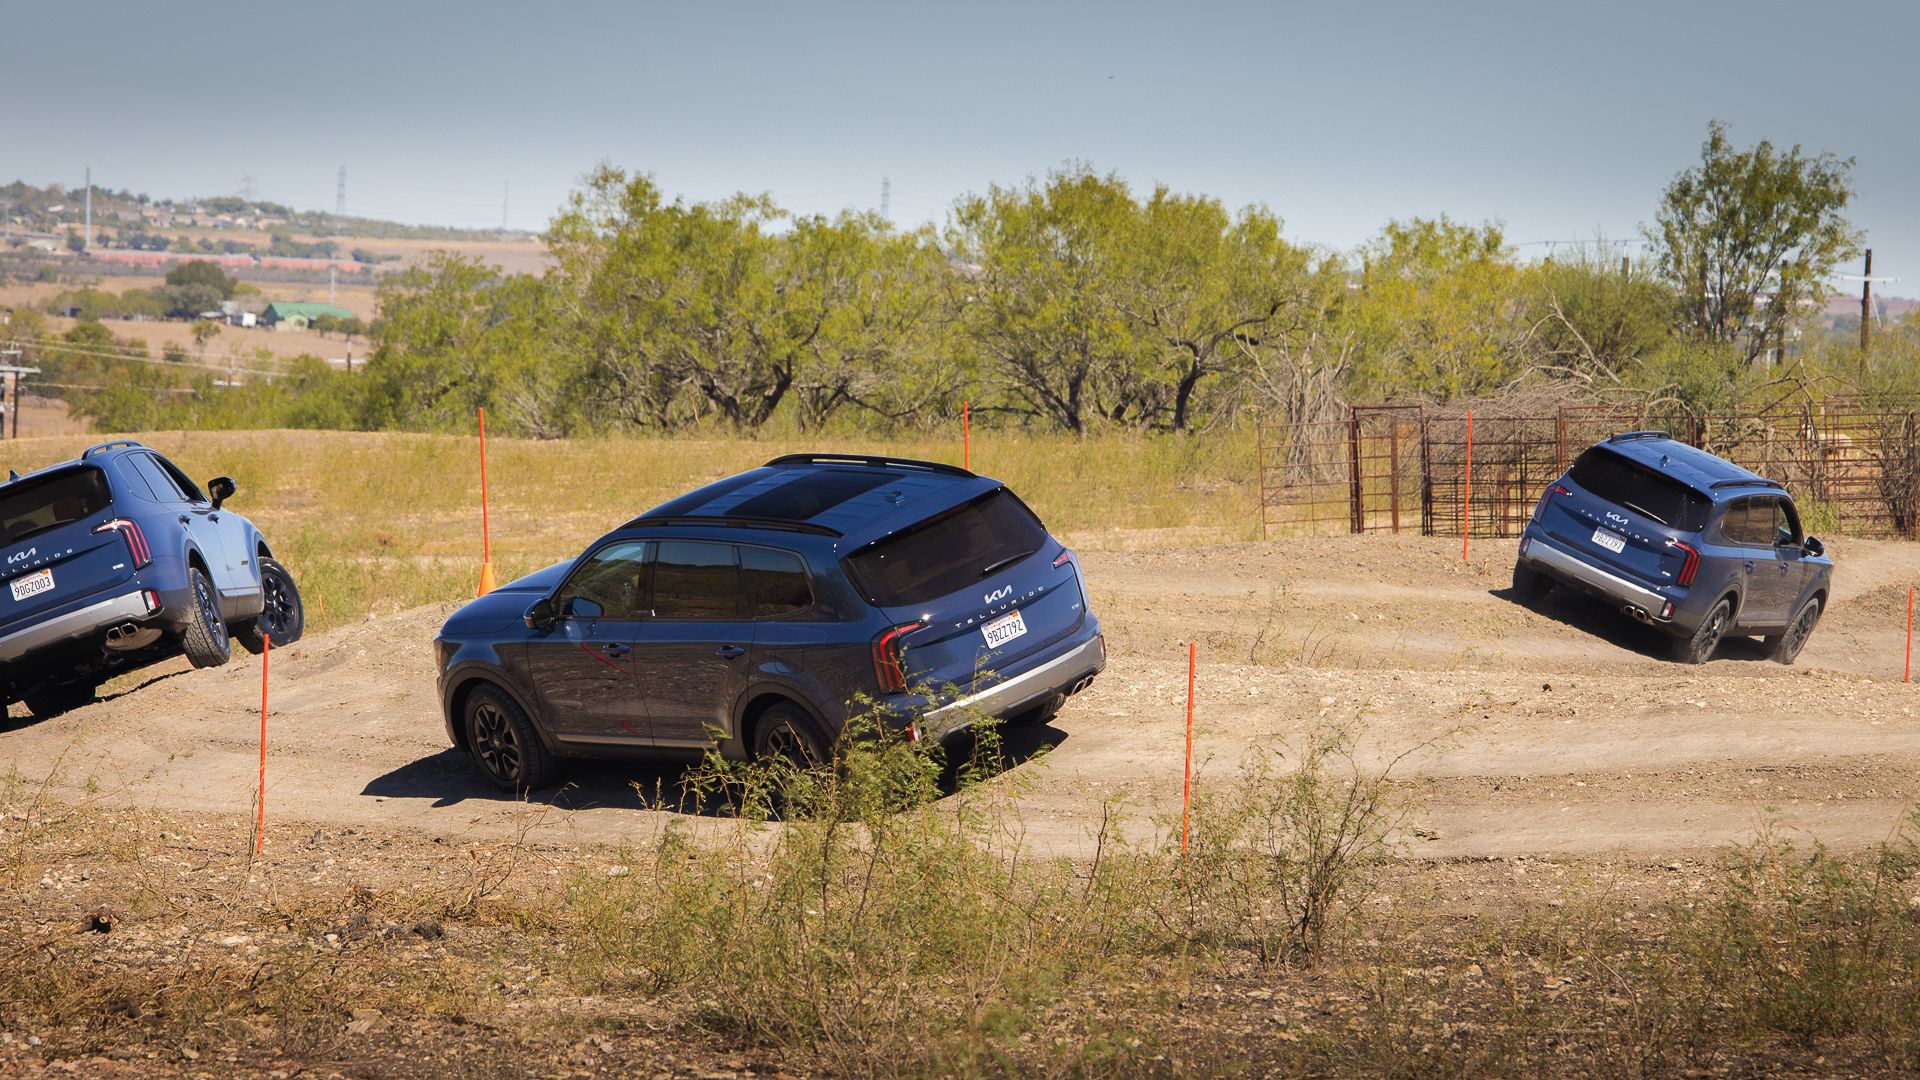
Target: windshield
[
  {"x": 31, "y": 507},
  {"x": 1640, "y": 489},
  {"x": 948, "y": 552}
]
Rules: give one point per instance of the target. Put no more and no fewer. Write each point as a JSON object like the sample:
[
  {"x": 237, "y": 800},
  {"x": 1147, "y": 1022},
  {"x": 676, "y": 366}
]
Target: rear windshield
[
  {"x": 948, "y": 552},
  {"x": 1640, "y": 489},
  {"x": 31, "y": 507}
]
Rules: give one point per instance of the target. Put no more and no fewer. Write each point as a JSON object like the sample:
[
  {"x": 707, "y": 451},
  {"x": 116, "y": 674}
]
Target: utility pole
[
  {"x": 340, "y": 195},
  {"x": 1866, "y": 302},
  {"x": 333, "y": 274},
  {"x": 10, "y": 396},
  {"x": 86, "y": 238},
  {"x": 886, "y": 197}
]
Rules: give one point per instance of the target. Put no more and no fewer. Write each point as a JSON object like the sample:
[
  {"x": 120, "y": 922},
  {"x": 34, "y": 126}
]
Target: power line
[{"x": 57, "y": 345}]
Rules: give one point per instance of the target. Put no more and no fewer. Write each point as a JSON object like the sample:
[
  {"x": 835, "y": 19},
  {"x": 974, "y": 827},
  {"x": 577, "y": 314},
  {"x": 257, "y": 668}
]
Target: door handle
[
  {"x": 1749, "y": 564},
  {"x": 730, "y": 651},
  {"x": 185, "y": 520},
  {"x": 616, "y": 649}
]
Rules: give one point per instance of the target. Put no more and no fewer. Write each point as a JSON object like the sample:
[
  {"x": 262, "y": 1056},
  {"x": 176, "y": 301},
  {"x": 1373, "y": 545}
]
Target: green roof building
[{"x": 288, "y": 316}]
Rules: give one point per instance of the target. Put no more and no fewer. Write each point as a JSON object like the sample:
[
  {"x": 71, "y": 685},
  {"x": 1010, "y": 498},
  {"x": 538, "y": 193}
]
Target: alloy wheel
[{"x": 494, "y": 742}]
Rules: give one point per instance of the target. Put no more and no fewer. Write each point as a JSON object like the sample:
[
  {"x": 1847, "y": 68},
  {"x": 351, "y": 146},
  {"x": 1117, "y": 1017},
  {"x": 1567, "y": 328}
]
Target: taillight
[
  {"x": 887, "y": 650},
  {"x": 1560, "y": 490},
  {"x": 1688, "y": 568},
  {"x": 136, "y": 540},
  {"x": 1062, "y": 559}
]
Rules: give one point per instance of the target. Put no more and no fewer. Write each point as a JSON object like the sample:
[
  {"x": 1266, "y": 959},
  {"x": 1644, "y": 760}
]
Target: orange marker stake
[
  {"x": 1466, "y": 498},
  {"x": 260, "y": 804},
  {"x": 1908, "y": 677},
  {"x": 486, "y": 533},
  {"x": 966, "y": 436},
  {"x": 1186, "y": 793}
]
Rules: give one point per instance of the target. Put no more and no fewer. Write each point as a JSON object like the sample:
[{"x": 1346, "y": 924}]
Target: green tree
[
  {"x": 1747, "y": 236},
  {"x": 200, "y": 272},
  {"x": 1438, "y": 311}
]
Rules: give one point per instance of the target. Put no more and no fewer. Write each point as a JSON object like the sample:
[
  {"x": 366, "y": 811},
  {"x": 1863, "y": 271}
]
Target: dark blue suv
[
  {"x": 116, "y": 560},
  {"x": 762, "y": 612},
  {"x": 1679, "y": 539}
]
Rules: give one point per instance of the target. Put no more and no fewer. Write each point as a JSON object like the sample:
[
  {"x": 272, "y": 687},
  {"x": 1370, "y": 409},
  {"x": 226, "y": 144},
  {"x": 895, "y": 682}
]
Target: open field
[
  {"x": 1569, "y": 799},
  {"x": 235, "y": 341}
]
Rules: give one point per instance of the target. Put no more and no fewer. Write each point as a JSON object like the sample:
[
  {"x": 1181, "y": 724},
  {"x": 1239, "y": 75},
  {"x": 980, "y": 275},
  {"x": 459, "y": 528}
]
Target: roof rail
[
  {"x": 101, "y": 448},
  {"x": 1625, "y": 435},
  {"x": 717, "y": 521},
  {"x": 871, "y": 461},
  {"x": 1747, "y": 481}
]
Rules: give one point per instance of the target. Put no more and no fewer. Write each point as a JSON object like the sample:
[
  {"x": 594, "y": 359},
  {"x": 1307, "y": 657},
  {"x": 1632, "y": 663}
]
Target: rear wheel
[
  {"x": 1529, "y": 584},
  {"x": 204, "y": 639},
  {"x": 1698, "y": 647},
  {"x": 283, "y": 618},
  {"x": 785, "y": 732},
  {"x": 503, "y": 742},
  {"x": 51, "y": 701},
  {"x": 1785, "y": 647}
]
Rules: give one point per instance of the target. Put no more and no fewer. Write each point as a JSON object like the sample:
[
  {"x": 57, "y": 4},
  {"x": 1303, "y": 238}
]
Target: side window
[
  {"x": 1786, "y": 525},
  {"x": 164, "y": 489},
  {"x": 773, "y": 582},
  {"x": 180, "y": 480},
  {"x": 611, "y": 584},
  {"x": 695, "y": 580}
]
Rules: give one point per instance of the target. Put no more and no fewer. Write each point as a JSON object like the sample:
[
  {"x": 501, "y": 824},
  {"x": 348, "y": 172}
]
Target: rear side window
[
  {"x": 948, "y": 552},
  {"x": 773, "y": 582},
  {"x": 30, "y": 508},
  {"x": 1640, "y": 489},
  {"x": 158, "y": 480},
  {"x": 695, "y": 580}
]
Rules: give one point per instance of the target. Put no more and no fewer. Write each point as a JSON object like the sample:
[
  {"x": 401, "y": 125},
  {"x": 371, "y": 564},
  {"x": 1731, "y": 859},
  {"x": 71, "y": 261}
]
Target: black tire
[
  {"x": 205, "y": 639},
  {"x": 1698, "y": 647},
  {"x": 283, "y": 616},
  {"x": 50, "y": 701},
  {"x": 504, "y": 745},
  {"x": 1784, "y": 647},
  {"x": 788, "y": 732},
  {"x": 1529, "y": 584}
]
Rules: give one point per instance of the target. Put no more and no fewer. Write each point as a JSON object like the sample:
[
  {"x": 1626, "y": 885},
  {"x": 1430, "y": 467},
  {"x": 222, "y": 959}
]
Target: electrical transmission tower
[
  {"x": 340, "y": 195},
  {"x": 886, "y": 196}
]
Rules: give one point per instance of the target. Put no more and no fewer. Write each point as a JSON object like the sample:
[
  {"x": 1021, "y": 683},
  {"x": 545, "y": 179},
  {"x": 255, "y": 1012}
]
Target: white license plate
[
  {"x": 1612, "y": 541},
  {"x": 33, "y": 584},
  {"x": 1004, "y": 629}
]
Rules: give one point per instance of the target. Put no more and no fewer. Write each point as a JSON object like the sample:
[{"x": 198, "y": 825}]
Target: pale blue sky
[{"x": 1558, "y": 119}]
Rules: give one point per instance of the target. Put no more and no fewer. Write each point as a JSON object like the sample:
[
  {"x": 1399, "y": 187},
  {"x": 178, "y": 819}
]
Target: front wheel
[
  {"x": 504, "y": 744},
  {"x": 204, "y": 639},
  {"x": 282, "y": 617},
  {"x": 1698, "y": 647},
  {"x": 1784, "y": 648}
]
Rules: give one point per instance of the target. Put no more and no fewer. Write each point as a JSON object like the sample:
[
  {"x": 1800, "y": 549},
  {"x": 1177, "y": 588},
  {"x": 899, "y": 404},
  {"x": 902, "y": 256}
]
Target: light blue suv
[{"x": 1679, "y": 539}]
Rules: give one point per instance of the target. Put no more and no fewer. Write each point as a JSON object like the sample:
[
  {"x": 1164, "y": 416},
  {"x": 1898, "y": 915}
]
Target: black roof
[{"x": 831, "y": 494}]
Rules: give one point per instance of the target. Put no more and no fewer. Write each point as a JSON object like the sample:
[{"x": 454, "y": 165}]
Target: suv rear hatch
[
  {"x": 1620, "y": 503},
  {"x": 982, "y": 586},
  {"x": 50, "y": 553}
]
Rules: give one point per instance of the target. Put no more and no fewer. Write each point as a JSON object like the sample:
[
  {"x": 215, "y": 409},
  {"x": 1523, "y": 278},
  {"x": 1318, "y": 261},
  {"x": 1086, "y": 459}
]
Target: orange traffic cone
[{"x": 486, "y": 578}]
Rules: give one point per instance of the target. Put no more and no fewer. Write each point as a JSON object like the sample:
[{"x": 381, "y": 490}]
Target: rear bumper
[
  {"x": 1543, "y": 555},
  {"x": 1060, "y": 676},
  {"x": 80, "y": 622}
]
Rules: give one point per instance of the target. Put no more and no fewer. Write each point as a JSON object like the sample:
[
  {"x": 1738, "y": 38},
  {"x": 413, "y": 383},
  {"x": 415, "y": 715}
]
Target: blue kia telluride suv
[
  {"x": 1679, "y": 539},
  {"x": 761, "y": 612},
  {"x": 116, "y": 560}
]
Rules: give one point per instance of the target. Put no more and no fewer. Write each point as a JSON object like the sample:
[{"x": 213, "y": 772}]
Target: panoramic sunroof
[{"x": 809, "y": 495}]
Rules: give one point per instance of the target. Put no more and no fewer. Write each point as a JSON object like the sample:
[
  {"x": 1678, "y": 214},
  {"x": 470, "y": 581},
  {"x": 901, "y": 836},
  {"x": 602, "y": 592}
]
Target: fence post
[
  {"x": 1393, "y": 464},
  {"x": 1260, "y": 468},
  {"x": 1357, "y": 511}
]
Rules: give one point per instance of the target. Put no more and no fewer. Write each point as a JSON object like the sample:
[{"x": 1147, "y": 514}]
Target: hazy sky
[{"x": 1559, "y": 119}]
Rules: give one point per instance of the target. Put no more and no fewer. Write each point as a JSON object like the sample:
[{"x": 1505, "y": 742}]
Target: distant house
[{"x": 285, "y": 316}]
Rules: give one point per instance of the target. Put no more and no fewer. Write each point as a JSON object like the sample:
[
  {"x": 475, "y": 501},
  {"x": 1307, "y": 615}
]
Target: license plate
[
  {"x": 36, "y": 583},
  {"x": 1004, "y": 629},
  {"x": 1613, "y": 542}
]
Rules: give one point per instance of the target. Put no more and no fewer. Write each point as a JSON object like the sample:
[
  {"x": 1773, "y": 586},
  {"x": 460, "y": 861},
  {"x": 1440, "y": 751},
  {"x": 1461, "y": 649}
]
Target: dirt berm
[{"x": 1558, "y": 730}]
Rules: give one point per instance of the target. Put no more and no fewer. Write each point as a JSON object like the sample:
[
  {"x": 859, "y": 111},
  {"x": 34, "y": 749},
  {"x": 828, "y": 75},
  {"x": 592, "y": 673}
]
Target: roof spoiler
[
  {"x": 101, "y": 448},
  {"x": 1748, "y": 481},
  {"x": 1625, "y": 435},
  {"x": 871, "y": 462}
]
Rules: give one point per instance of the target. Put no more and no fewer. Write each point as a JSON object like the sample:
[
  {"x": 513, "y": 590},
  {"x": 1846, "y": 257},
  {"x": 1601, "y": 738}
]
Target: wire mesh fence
[{"x": 1852, "y": 465}]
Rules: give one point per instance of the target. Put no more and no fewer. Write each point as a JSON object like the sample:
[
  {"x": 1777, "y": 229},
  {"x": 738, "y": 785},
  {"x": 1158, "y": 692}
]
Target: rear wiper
[
  {"x": 1644, "y": 511},
  {"x": 1004, "y": 563}
]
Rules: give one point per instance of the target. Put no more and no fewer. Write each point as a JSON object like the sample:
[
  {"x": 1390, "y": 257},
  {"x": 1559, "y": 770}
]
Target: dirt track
[{"x": 1561, "y": 730}]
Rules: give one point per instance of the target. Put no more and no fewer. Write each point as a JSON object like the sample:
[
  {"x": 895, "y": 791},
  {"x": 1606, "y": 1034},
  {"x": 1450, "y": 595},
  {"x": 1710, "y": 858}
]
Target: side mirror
[
  {"x": 221, "y": 488},
  {"x": 540, "y": 616},
  {"x": 1813, "y": 546}
]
